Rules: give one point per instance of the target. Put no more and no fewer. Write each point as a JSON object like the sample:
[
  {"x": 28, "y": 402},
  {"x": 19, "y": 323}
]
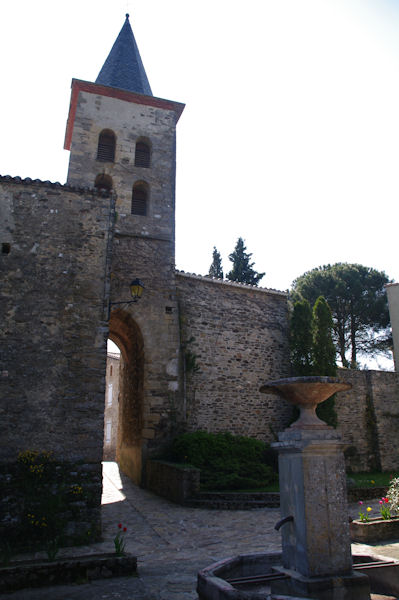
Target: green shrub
[{"x": 226, "y": 461}]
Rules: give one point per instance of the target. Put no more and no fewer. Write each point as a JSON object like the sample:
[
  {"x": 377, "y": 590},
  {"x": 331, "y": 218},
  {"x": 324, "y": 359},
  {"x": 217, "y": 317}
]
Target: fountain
[{"x": 316, "y": 560}]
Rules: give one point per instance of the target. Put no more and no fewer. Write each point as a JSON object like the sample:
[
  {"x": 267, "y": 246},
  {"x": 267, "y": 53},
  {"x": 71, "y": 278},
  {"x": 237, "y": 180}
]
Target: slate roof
[{"x": 124, "y": 68}]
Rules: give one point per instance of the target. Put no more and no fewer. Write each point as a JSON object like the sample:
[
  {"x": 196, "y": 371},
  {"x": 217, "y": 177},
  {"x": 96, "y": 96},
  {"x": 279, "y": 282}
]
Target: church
[{"x": 194, "y": 350}]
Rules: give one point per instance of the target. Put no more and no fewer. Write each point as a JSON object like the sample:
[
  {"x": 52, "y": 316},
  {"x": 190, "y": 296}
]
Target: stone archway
[{"x": 124, "y": 332}]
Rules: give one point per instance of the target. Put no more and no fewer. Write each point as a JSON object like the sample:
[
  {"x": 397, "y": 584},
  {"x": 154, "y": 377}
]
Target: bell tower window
[
  {"x": 140, "y": 199},
  {"x": 142, "y": 155},
  {"x": 106, "y": 146},
  {"x": 103, "y": 182}
]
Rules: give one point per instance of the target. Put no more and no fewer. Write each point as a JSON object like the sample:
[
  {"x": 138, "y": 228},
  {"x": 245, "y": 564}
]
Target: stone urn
[{"x": 306, "y": 393}]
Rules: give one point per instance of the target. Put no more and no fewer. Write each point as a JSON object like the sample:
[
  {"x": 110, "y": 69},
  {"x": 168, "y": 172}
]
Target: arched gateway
[{"x": 126, "y": 334}]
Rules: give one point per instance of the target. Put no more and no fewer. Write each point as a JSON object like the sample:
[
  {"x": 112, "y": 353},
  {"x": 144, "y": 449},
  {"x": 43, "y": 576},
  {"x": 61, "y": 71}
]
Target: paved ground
[{"x": 172, "y": 543}]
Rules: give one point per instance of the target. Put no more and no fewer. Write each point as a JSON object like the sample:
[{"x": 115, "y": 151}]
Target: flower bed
[{"x": 374, "y": 530}]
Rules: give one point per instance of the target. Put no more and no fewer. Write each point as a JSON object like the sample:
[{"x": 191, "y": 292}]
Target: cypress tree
[
  {"x": 323, "y": 345},
  {"x": 216, "y": 270},
  {"x": 324, "y": 355},
  {"x": 242, "y": 270},
  {"x": 301, "y": 339}
]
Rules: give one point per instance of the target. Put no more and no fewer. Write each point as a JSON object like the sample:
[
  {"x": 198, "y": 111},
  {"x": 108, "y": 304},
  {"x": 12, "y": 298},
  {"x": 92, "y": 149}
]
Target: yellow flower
[
  {"x": 369, "y": 509},
  {"x": 372, "y": 481}
]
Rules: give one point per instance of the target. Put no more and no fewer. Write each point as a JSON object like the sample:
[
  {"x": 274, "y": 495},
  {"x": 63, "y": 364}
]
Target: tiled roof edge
[
  {"x": 246, "y": 286},
  {"x": 51, "y": 184}
]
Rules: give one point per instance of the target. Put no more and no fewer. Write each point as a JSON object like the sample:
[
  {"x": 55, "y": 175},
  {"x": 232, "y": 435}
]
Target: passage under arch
[{"x": 125, "y": 332}]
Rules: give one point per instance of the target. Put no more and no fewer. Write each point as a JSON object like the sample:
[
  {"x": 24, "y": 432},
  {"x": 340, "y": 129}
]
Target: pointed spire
[{"x": 123, "y": 68}]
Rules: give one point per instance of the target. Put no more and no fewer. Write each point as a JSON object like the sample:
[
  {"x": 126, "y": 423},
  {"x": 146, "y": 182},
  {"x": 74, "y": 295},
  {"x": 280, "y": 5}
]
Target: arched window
[
  {"x": 143, "y": 155},
  {"x": 103, "y": 182},
  {"x": 139, "y": 199},
  {"x": 106, "y": 146}
]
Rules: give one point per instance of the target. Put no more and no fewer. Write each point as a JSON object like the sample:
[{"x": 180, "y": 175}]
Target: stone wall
[
  {"x": 234, "y": 337},
  {"x": 368, "y": 418},
  {"x": 55, "y": 261}
]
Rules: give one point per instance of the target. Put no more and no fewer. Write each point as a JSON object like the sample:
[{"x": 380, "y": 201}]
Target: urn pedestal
[{"x": 316, "y": 545}]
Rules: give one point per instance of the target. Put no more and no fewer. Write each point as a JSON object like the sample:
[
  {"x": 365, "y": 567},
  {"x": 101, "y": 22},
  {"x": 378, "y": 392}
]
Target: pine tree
[
  {"x": 216, "y": 270},
  {"x": 301, "y": 339},
  {"x": 359, "y": 306},
  {"x": 242, "y": 270}
]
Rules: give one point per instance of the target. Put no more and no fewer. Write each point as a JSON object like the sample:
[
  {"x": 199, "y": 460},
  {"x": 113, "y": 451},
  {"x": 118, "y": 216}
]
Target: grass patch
[{"x": 373, "y": 479}]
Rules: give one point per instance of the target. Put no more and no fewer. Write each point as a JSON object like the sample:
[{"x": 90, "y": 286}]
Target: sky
[{"x": 289, "y": 138}]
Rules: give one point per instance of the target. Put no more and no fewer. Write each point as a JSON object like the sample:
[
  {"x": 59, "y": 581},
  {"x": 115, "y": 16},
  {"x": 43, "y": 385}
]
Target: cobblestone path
[{"x": 172, "y": 543}]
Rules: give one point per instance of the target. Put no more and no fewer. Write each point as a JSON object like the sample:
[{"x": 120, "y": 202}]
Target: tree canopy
[
  {"x": 358, "y": 303},
  {"x": 216, "y": 270},
  {"x": 243, "y": 270}
]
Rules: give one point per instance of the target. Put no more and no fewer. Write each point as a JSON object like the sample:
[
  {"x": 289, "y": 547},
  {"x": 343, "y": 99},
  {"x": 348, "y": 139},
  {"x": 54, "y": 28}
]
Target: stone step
[{"x": 234, "y": 501}]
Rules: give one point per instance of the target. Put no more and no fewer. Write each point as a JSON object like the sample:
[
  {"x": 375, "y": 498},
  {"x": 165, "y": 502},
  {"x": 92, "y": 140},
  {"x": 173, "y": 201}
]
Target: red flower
[
  {"x": 125, "y": 529},
  {"x": 120, "y": 525},
  {"x": 386, "y": 499}
]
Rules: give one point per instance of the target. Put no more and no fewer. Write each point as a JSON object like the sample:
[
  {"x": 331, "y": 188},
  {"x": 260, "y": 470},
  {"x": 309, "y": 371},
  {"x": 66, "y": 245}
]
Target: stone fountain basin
[{"x": 250, "y": 576}]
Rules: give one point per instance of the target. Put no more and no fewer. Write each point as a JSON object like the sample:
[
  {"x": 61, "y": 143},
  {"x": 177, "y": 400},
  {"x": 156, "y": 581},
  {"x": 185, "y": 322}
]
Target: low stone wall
[
  {"x": 356, "y": 494},
  {"x": 174, "y": 482},
  {"x": 36, "y": 573},
  {"x": 235, "y": 500}
]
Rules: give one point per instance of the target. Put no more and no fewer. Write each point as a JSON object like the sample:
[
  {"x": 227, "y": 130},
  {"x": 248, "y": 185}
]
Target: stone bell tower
[{"x": 123, "y": 139}]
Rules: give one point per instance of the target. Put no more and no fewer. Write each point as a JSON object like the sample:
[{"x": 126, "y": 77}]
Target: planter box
[
  {"x": 172, "y": 481},
  {"x": 38, "y": 573},
  {"x": 376, "y": 530}
]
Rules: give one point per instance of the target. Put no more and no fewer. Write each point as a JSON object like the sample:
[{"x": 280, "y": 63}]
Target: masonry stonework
[
  {"x": 55, "y": 290},
  {"x": 368, "y": 418},
  {"x": 237, "y": 338}
]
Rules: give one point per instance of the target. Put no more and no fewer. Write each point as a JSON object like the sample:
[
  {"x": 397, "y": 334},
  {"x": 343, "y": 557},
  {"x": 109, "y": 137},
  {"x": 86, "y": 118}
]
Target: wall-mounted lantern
[{"x": 136, "y": 290}]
